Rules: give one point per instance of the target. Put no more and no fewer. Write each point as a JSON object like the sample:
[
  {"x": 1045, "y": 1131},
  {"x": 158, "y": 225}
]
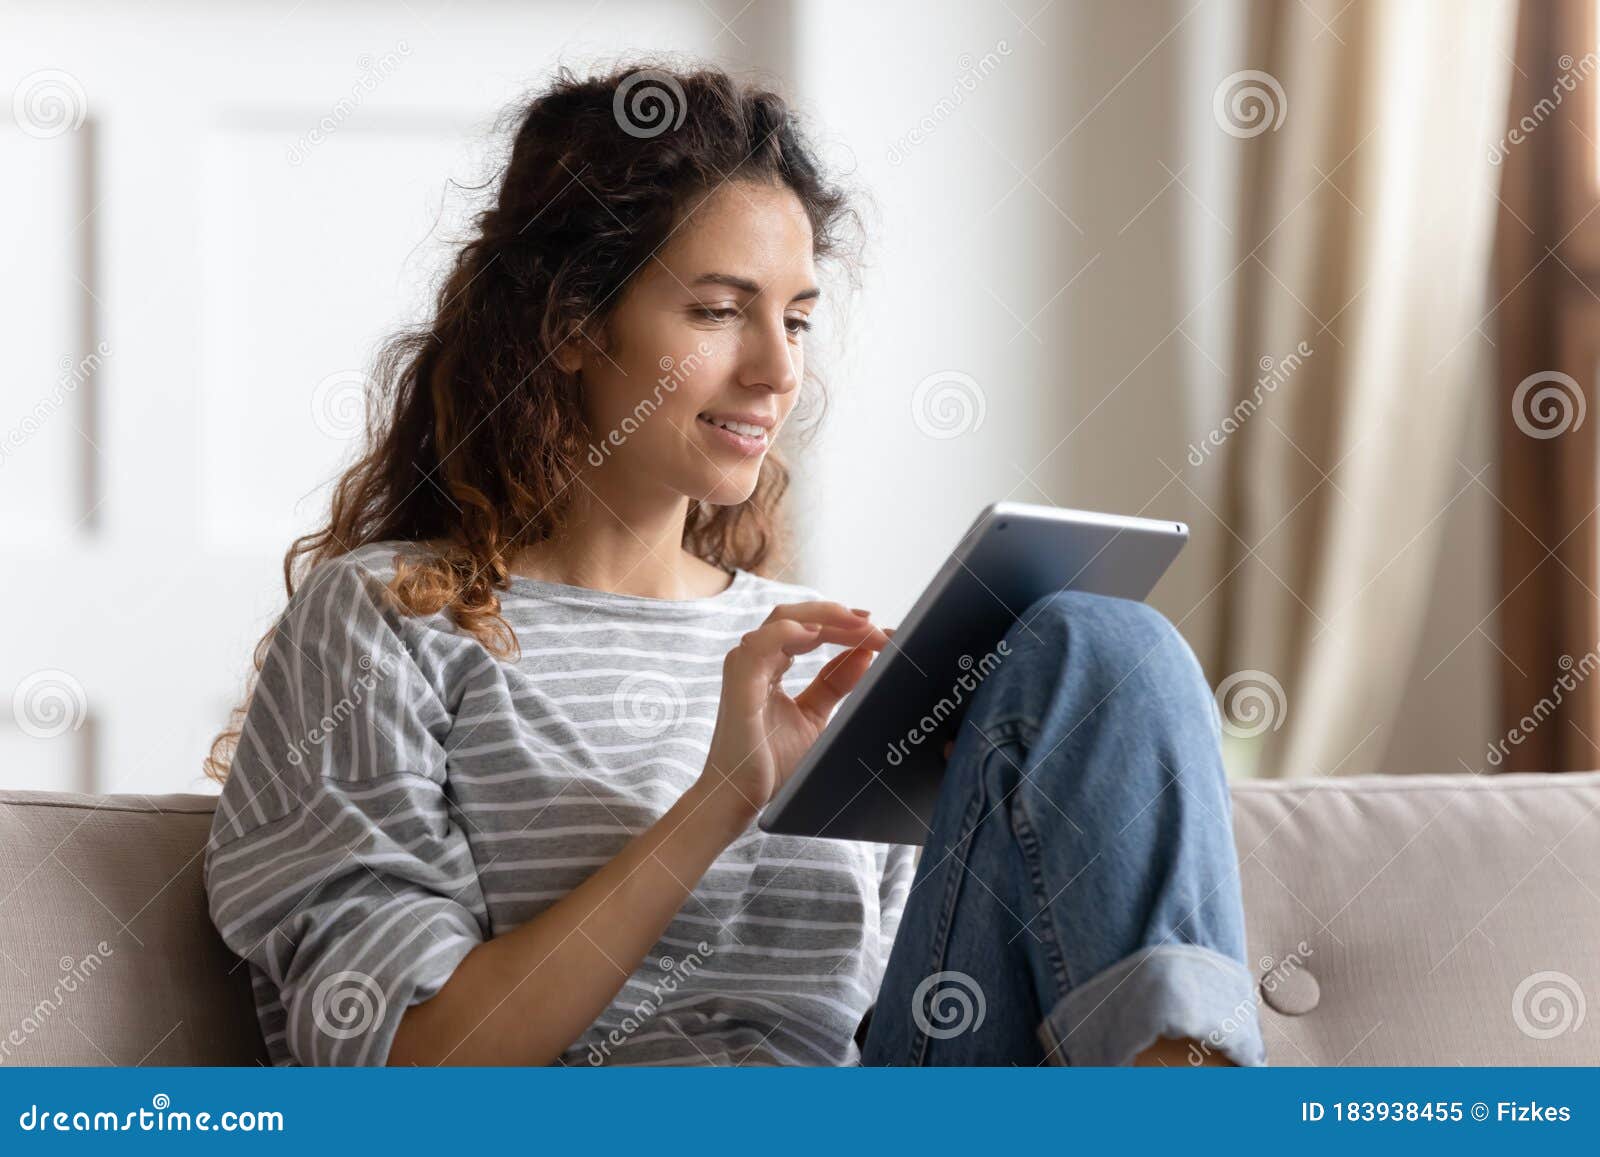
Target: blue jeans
[{"x": 1078, "y": 895}]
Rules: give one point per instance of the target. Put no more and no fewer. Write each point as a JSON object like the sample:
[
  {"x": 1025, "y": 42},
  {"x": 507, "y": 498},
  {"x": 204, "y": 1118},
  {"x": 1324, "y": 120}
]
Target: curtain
[
  {"x": 1548, "y": 344},
  {"x": 1365, "y": 133}
]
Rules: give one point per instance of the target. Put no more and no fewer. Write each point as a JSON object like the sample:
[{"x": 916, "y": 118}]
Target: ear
[{"x": 569, "y": 354}]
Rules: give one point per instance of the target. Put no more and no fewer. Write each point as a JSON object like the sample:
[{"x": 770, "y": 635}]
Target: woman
[{"x": 491, "y": 798}]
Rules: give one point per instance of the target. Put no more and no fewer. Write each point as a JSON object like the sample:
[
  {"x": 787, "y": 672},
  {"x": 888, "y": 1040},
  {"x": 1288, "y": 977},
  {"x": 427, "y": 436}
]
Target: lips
[
  {"x": 749, "y": 425},
  {"x": 742, "y": 438}
]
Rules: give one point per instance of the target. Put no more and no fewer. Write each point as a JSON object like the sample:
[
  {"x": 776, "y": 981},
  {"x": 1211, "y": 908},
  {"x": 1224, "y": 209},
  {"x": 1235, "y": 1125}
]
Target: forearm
[{"x": 522, "y": 998}]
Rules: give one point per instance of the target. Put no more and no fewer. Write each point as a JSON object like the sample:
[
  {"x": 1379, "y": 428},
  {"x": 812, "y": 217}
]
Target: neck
[{"x": 625, "y": 543}]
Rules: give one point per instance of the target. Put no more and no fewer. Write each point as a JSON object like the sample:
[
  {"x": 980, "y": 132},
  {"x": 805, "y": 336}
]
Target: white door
[{"x": 208, "y": 217}]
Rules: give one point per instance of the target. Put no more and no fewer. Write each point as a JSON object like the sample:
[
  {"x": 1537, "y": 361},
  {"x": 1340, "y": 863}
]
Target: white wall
[
  {"x": 1031, "y": 240},
  {"x": 1081, "y": 188}
]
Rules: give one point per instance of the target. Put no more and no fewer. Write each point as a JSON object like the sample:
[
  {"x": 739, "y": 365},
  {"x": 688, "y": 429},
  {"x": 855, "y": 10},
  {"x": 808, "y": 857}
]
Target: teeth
[{"x": 746, "y": 428}]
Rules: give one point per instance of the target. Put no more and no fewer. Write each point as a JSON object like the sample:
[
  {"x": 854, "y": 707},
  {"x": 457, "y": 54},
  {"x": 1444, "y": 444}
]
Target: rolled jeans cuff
[{"x": 1171, "y": 990}]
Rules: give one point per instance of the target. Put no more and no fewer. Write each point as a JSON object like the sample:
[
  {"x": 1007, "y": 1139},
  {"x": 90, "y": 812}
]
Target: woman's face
[{"x": 711, "y": 326}]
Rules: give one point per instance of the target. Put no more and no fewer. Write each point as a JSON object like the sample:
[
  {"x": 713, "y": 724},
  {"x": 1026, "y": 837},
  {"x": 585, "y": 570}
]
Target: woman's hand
[{"x": 761, "y": 732}]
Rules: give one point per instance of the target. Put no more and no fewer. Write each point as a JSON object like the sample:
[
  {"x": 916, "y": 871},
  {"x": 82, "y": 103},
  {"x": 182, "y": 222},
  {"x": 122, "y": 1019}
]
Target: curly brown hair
[{"x": 600, "y": 170}]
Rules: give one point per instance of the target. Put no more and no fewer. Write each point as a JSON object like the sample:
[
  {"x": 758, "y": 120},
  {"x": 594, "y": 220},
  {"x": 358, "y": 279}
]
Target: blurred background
[{"x": 1321, "y": 279}]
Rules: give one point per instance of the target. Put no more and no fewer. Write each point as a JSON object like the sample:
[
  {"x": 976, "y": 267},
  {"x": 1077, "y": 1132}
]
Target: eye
[
  {"x": 798, "y": 324},
  {"x": 717, "y": 312}
]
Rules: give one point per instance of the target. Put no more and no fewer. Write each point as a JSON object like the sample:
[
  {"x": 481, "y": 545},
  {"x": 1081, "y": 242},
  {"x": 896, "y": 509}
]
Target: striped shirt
[{"x": 399, "y": 795}]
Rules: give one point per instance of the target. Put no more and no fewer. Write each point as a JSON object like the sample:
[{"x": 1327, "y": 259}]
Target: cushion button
[{"x": 1292, "y": 991}]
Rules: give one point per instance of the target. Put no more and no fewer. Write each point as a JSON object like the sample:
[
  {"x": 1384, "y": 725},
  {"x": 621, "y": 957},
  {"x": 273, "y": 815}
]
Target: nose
[{"x": 768, "y": 359}]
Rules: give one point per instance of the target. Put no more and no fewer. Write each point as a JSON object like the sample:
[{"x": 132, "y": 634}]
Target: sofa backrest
[
  {"x": 109, "y": 954},
  {"x": 1445, "y": 919},
  {"x": 1450, "y": 920}
]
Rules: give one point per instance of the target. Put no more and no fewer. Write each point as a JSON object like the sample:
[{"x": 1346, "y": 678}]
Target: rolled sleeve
[{"x": 335, "y": 864}]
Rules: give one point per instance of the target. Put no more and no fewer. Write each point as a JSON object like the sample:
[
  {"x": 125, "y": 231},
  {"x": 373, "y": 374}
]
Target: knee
[
  {"x": 1127, "y": 660},
  {"x": 1098, "y": 620},
  {"x": 1125, "y": 642}
]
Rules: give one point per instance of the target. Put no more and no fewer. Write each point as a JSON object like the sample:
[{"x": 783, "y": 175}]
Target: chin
[{"x": 729, "y": 491}]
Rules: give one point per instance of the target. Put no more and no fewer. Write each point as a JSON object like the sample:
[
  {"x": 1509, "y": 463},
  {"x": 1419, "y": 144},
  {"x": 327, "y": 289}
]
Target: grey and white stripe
[{"x": 399, "y": 795}]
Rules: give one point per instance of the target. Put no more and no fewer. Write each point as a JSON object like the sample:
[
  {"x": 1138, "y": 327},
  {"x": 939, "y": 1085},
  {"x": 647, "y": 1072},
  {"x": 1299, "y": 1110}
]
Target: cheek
[
  {"x": 662, "y": 410},
  {"x": 698, "y": 379}
]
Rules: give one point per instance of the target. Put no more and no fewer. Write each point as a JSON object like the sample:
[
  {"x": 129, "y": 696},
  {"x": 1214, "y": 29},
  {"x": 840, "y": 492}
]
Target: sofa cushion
[{"x": 1392, "y": 920}]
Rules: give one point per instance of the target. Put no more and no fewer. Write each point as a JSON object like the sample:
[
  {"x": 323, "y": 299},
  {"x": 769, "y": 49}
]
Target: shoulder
[
  {"x": 365, "y": 571},
  {"x": 351, "y": 592},
  {"x": 343, "y": 623},
  {"x": 346, "y": 692}
]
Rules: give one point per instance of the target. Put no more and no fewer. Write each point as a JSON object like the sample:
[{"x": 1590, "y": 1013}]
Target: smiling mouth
[
  {"x": 743, "y": 429},
  {"x": 744, "y": 438}
]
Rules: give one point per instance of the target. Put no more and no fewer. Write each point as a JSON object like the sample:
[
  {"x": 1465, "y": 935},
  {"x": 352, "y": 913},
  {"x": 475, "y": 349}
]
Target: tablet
[{"x": 874, "y": 772}]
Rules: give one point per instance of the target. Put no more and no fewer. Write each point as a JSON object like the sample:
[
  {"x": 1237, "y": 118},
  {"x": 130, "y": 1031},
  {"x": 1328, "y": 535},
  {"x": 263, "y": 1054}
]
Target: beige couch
[{"x": 1399, "y": 920}]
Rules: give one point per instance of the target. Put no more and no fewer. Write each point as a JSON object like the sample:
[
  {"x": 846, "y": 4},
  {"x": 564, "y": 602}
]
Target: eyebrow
[{"x": 733, "y": 281}]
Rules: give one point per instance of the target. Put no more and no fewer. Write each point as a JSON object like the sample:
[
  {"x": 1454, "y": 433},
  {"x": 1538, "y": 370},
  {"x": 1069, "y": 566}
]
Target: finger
[
  {"x": 838, "y": 677},
  {"x": 863, "y": 636},
  {"x": 765, "y": 654},
  {"x": 817, "y": 612},
  {"x": 835, "y": 616},
  {"x": 773, "y": 643},
  {"x": 761, "y": 658},
  {"x": 856, "y": 634}
]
